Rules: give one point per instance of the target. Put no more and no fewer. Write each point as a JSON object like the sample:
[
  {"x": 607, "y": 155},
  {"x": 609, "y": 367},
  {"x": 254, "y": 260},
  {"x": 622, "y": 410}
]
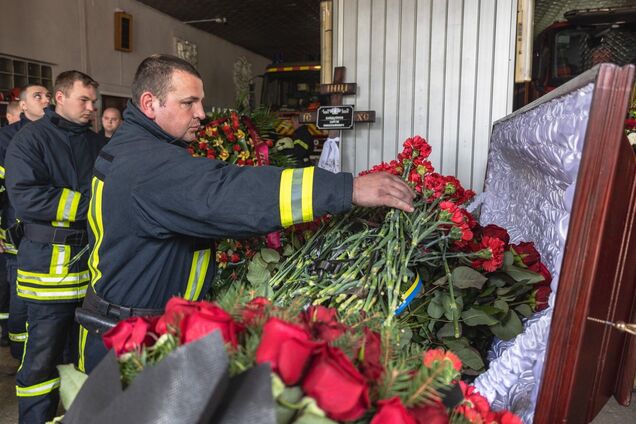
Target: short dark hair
[
  {"x": 66, "y": 79},
  {"x": 24, "y": 89},
  {"x": 154, "y": 74}
]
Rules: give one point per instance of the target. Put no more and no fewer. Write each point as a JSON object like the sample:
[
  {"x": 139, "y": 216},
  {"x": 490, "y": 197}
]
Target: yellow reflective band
[
  {"x": 82, "y": 345},
  {"x": 285, "y": 201},
  {"x": 18, "y": 337},
  {"x": 2, "y": 172},
  {"x": 53, "y": 279},
  {"x": 4, "y": 315},
  {"x": 97, "y": 227},
  {"x": 38, "y": 389},
  {"x": 302, "y": 144},
  {"x": 26, "y": 325},
  {"x": 60, "y": 256},
  {"x": 67, "y": 207},
  {"x": 198, "y": 270},
  {"x": 308, "y": 191},
  {"x": 60, "y": 293}
]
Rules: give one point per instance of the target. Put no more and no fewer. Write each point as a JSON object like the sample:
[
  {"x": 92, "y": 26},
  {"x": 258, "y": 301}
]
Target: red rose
[
  {"x": 391, "y": 411},
  {"x": 492, "y": 230},
  {"x": 473, "y": 400},
  {"x": 526, "y": 253},
  {"x": 254, "y": 310},
  {"x": 176, "y": 308},
  {"x": 540, "y": 268},
  {"x": 541, "y": 296},
  {"x": 287, "y": 348},
  {"x": 210, "y": 318},
  {"x": 324, "y": 323},
  {"x": 507, "y": 417},
  {"x": 336, "y": 385},
  {"x": 235, "y": 258},
  {"x": 370, "y": 354},
  {"x": 430, "y": 414},
  {"x": 129, "y": 335}
]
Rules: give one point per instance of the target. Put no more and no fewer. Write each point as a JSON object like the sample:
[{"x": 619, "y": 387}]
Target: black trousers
[
  {"x": 91, "y": 350},
  {"x": 17, "y": 310},
  {"x": 49, "y": 327},
  {"x": 5, "y": 293}
]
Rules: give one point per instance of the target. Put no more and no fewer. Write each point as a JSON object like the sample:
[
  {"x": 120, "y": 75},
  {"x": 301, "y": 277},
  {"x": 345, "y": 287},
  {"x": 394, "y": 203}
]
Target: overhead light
[{"x": 222, "y": 20}]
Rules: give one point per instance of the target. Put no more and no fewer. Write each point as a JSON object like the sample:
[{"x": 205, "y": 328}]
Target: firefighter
[
  {"x": 155, "y": 210},
  {"x": 33, "y": 99},
  {"x": 48, "y": 170}
]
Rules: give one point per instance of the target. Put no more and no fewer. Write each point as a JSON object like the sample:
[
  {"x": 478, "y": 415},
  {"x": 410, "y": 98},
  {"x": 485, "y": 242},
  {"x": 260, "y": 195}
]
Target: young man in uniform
[
  {"x": 13, "y": 112},
  {"x": 33, "y": 99},
  {"x": 156, "y": 211},
  {"x": 48, "y": 170}
]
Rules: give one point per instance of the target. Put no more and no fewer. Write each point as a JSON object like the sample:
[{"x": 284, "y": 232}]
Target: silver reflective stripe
[
  {"x": 67, "y": 205},
  {"x": 61, "y": 258},
  {"x": 38, "y": 389},
  {"x": 297, "y": 195},
  {"x": 75, "y": 278},
  {"x": 71, "y": 292},
  {"x": 197, "y": 274}
]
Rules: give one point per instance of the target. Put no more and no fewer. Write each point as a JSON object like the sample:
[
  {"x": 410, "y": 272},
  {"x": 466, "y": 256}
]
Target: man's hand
[{"x": 382, "y": 189}]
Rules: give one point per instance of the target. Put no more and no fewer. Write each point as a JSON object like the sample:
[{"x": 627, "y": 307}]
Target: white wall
[
  {"x": 442, "y": 69},
  {"x": 79, "y": 34}
]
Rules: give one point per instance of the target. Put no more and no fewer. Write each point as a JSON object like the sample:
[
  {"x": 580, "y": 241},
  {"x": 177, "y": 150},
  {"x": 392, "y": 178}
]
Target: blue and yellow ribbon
[{"x": 410, "y": 294}]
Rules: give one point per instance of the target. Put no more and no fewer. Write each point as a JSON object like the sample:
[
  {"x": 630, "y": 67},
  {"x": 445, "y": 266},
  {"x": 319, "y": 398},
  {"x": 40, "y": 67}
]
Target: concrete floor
[{"x": 611, "y": 414}]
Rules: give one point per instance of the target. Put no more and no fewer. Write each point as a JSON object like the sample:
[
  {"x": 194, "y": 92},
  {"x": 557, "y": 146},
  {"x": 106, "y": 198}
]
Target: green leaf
[
  {"x": 524, "y": 275},
  {"x": 435, "y": 310},
  {"x": 440, "y": 281},
  {"x": 270, "y": 255},
  {"x": 509, "y": 259},
  {"x": 288, "y": 249},
  {"x": 473, "y": 317},
  {"x": 497, "y": 280},
  {"x": 456, "y": 344},
  {"x": 465, "y": 277},
  {"x": 291, "y": 395},
  {"x": 448, "y": 331},
  {"x": 524, "y": 309},
  {"x": 470, "y": 358},
  {"x": 258, "y": 261},
  {"x": 502, "y": 305},
  {"x": 71, "y": 381},
  {"x": 405, "y": 336},
  {"x": 257, "y": 276},
  {"x": 509, "y": 327}
]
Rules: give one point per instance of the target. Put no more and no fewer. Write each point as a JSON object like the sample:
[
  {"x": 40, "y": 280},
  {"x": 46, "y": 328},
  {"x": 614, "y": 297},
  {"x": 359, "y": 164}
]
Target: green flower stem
[{"x": 451, "y": 292}]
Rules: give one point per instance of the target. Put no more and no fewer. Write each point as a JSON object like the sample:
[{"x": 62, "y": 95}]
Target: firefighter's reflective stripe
[
  {"x": 18, "y": 337},
  {"x": 83, "y": 333},
  {"x": 48, "y": 294},
  {"x": 46, "y": 287},
  {"x": 4, "y": 315},
  {"x": 38, "y": 389},
  {"x": 60, "y": 258},
  {"x": 97, "y": 226},
  {"x": 296, "y": 189},
  {"x": 200, "y": 263},
  {"x": 2, "y": 172},
  {"x": 8, "y": 247},
  {"x": 67, "y": 208},
  {"x": 302, "y": 144}
]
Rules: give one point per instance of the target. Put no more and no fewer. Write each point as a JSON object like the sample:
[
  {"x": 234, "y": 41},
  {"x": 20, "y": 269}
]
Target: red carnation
[
  {"x": 254, "y": 310},
  {"x": 337, "y": 386},
  {"x": 287, "y": 348},
  {"x": 130, "y": 334},
  {"x": 492, "y": 230},
  {"x": 440, "y": 355},
  {"x": 391, "y": 411},
  {"x": 235, "y": 258},
  {"x": 236, "y": 147},
  {"x": 430, "y": 414},
  {"x": 491, "y": 254}
]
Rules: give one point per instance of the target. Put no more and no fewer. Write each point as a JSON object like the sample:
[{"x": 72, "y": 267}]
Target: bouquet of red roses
[{"x": 324, "y": 368}]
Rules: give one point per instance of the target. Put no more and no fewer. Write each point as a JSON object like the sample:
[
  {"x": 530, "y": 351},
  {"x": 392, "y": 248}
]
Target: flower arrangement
[
  {"x": 446, "y": 280},
  {"x": 324, "y": 367}
]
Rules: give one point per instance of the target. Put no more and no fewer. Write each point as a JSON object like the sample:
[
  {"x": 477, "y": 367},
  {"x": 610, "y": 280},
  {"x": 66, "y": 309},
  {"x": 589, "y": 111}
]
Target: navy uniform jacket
[
  {"x": 8, "y": 213},
  {"x": 49, "y": 167},
  {"x": 155, "y": 211}
]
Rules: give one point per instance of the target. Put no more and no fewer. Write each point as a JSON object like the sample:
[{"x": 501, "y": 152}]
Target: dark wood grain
[{"x": 583, "y": 358}]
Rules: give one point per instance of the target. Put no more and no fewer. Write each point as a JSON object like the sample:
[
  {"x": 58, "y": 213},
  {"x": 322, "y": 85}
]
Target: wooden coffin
[{"x": 587, "y": 362}]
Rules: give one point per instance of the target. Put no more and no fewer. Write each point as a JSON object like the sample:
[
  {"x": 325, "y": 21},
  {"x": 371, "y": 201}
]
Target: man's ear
[
  {"x": 59, "y": 97},
  {"x": 147, "y": 104}
]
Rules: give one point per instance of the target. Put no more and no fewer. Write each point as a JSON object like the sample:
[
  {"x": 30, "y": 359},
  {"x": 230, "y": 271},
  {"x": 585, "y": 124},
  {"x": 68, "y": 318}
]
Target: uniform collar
[
  {"x": 23, "y": 119},
  {"x": 63, "y": 123},
  {"x": 134, "y": 116}
]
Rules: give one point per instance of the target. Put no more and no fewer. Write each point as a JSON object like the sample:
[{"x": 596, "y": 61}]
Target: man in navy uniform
[
  {"x": 155, "y": 210},
  {"x": 49, "y": 165},
  {"x": 33, "y": 99}
]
